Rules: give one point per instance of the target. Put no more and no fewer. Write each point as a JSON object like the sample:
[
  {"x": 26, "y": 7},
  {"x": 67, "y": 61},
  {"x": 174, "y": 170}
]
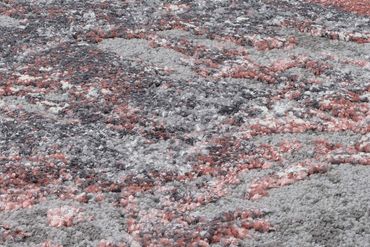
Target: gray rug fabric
[{"x": 185, "y": 123}]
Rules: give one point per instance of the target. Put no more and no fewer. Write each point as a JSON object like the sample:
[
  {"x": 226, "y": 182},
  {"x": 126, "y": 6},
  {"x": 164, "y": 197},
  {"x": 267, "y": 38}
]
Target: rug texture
[{"x": 128, "y": 123}]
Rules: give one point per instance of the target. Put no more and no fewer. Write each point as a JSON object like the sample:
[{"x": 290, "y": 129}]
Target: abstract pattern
[{"x": 184, "y": 123}]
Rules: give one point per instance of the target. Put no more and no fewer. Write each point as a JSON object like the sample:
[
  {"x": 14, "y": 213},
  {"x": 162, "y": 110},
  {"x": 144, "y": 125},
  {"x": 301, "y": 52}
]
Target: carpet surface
[{"x": 185, "y": 123}]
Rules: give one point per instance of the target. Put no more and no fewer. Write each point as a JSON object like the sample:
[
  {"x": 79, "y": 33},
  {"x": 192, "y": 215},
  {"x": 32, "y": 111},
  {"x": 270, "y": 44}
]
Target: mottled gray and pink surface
[{"x": 185, "y": 123}]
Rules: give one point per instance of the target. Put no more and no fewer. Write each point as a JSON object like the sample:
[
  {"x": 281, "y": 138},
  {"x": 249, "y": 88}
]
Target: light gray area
[
  {"x": 197, "y": 40},
  {"x": 6, "y": 21},
  {"x": 322, "y": 211},
  {"x": 14, "y": 102},
  {"x": 106, "y": 224},
  {"x": 142, "y": 156},
  {"x": 139, "y": 50}
]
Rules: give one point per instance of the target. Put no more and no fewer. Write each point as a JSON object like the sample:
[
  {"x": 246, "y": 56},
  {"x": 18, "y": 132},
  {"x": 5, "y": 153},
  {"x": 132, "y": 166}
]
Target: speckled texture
[{"x": 184, "y": 123}]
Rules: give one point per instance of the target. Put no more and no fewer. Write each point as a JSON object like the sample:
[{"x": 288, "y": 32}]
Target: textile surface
[{"x": 184, "y": 123}]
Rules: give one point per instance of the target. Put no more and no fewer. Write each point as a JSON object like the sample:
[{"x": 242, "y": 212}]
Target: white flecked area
[{"x": 6, "y": 21}]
